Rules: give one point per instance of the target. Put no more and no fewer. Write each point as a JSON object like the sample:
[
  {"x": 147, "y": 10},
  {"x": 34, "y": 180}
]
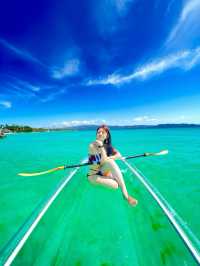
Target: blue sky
[{"x": 87, "y": 62}]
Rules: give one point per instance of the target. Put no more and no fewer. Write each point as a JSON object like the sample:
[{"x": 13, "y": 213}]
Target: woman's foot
[{"x": 132, "y": 201}]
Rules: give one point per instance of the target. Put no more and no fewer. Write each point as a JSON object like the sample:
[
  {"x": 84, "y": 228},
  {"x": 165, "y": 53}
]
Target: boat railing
[
  {"x": 15, "y": 244},
  {"x": 185, "y": 233}
]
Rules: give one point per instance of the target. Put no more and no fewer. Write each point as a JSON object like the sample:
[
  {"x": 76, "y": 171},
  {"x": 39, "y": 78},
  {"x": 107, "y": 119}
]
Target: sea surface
[{"x": 91, "y": 225}]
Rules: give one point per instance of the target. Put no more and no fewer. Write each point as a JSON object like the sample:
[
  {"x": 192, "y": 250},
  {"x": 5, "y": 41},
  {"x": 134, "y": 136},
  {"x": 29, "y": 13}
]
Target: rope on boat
[
  {"x": 21, "y": 243},
  {"x": 169, "y": 212}
]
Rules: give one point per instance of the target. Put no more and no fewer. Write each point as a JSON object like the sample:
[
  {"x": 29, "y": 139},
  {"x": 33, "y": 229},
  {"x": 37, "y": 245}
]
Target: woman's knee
[
  {"x": 115, "y": 185},
  {"x": 114, "y": 169},
  {"x": 117, "y": 175},
  {"x": 92, "y": 179}
]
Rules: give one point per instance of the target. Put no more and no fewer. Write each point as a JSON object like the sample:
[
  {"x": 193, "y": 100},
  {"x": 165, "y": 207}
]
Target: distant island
[{"x": 5, "y": 129}]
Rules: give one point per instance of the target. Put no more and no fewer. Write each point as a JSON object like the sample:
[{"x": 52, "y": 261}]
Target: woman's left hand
[
  {"x": 122, "y": 158},
  {"x": 117, "y": 157}
]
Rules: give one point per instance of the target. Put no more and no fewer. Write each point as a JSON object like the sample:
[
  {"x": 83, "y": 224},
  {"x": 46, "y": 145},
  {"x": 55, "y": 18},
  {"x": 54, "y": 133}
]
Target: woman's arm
[
  {"x": 115, "y": 156},
  {"x": 101, "y": 150},
  {"x": 97, "y": 148}
]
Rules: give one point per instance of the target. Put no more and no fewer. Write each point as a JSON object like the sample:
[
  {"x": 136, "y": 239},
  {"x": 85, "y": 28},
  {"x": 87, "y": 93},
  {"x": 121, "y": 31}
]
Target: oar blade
[
  {"x": 30, "y": 174},
  {"x": 162, "y": 152},
  {"x": 42, "y": 173}
]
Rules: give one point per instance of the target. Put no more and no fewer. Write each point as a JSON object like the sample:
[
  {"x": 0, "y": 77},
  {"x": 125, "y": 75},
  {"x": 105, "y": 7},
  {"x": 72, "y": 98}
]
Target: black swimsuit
[{"x": 96, "y": 159}]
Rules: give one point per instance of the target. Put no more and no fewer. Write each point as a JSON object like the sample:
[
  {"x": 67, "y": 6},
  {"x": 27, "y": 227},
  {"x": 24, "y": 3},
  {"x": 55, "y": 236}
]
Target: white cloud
[
  {"x": 20, "y": 91},
  {"x": 184, "y": 60},
  {"x": 20, "y": 52},
  {"x": 35, "y": 88},
  {"x": 182, "y": 117},
  {"x": 111, "y": 79},
  {"x": 28, "y": 86},
  {"x": 108, "y": 12},
  {"x": 74, "y": 123},
  {"x": 52, "y": 95},
  {"x": 25, "y": 90},
  {"x": 144, "y": 119},
  {"x": 79, "y": 122},
  {"x": 70, "y": 68},
  {"x": 169, "y": 6},
  {"x": 6, "y": 104},
  {"x": 122, "y": 6},
  {"x": 187, "y": 26}
]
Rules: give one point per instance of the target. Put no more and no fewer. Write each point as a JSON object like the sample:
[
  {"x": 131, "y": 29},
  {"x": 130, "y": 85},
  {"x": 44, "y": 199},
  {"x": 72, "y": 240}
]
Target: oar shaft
[
  {"x": 89, "y": 163},
  {"x": 76, "y": 165},
  {"x": 135, "y": 156}
]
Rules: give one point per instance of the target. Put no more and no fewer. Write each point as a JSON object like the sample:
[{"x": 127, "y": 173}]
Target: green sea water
[{"x": 88, "y": 225}]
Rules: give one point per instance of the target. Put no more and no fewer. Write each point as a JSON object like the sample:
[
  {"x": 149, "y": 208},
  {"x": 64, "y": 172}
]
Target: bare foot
[{"x": 132, "y": 201}]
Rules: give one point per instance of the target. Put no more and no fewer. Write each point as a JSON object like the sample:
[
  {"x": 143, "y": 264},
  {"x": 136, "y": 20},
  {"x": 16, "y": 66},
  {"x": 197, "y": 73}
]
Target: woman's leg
[
  {"x": 107, "y": 182},
  {"x": 117, "y": 175}
]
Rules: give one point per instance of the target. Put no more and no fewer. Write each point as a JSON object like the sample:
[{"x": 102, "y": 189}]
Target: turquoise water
[{"x": 89, "y": 225}]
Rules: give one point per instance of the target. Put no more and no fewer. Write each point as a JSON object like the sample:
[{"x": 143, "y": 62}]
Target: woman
[{"x": 104, "y": 170}]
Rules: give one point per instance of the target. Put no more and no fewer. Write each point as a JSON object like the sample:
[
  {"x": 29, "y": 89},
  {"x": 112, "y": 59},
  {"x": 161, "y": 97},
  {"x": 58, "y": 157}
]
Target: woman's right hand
[{"x": 98, "y": 143}]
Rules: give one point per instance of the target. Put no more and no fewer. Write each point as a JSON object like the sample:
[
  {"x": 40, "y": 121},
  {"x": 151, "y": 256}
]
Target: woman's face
[{"x": 101, "y": 134}]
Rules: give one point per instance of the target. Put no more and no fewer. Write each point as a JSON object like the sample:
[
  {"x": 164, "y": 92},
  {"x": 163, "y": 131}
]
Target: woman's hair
[{"x": 108, "y": 139}]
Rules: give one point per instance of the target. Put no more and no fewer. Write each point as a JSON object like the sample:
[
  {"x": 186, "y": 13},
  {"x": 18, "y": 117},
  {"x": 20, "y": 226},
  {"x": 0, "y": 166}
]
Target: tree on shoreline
[{"x": 20, "y": 128}]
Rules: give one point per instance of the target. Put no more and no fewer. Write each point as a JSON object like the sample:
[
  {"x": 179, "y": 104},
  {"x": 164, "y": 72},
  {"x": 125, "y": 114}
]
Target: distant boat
[
  {"x": 2, "y": 135},
  {"x": 4, "y": 132}
]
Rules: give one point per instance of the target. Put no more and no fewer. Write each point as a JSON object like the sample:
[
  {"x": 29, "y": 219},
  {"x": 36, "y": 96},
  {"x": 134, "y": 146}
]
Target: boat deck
[{"x": 88, "y": 225}]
